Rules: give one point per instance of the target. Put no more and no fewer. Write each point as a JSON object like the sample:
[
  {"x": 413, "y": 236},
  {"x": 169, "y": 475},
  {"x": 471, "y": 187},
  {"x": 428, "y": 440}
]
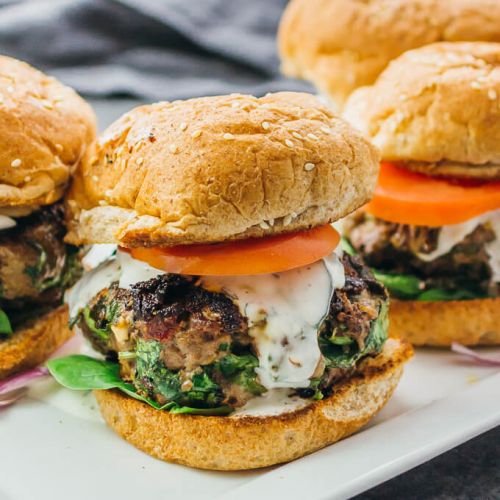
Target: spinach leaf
[
  {"x": 400, "y": 285},
  {"x": 346, "y": 356},
  {"x": 5, "y": 326},
  {"x": 240, "y": 369},
  {"x": 155, "y": 378},
  {"x": 90, "y": 322},
  {"x": 407, "y": 286},
  {"x": 83, "y": 373},
  {"x": 435, "y": 294},
  {"x": 221, "y": 410}
]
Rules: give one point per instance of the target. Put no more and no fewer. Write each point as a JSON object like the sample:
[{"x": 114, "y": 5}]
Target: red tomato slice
[
  {"x": 409, "y": 198},
  {"x": 253, "y": 256}
]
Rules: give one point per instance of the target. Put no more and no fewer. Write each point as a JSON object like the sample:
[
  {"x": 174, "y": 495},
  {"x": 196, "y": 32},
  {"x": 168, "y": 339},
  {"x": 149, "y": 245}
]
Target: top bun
[
  {"x": 219, "y": 168},
  {"x": 45, "y": 128},
  {"x": 437, "y": 109},
  {"x": 343, "y": 44}
]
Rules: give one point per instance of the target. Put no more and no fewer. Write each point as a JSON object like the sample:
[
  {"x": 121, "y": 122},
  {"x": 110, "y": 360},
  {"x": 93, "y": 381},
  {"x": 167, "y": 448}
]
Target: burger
[
  {"x": 432, "y": 230},
  {"x": 45, "y": 128},
  {"x": 340, "y": 45},
  {"x": 235, "y": 333}
]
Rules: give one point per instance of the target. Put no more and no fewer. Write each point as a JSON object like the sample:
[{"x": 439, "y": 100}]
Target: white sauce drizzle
[
  {"x": 6, "y": 222},
  {"x": 133, "y": 270},
  {"x": 98, "y": 254},
  {"x": 284, "y": 310},
  {"x": 91, "y": 284},
  {"x": 273, "y": 402},
  {"x": 453, "y": 234}
]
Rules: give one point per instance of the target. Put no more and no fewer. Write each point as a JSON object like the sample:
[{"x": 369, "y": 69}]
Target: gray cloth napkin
[{"x": 149, "y": 49}]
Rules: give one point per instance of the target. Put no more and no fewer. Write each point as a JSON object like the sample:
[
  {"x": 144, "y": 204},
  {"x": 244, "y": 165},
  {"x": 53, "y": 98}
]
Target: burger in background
[
  {"x": 432, "y": 230},
  {"x": 236, "y": 332},
  {"x": 45, "y": 129},
  {"x": 340, "y": 45}
]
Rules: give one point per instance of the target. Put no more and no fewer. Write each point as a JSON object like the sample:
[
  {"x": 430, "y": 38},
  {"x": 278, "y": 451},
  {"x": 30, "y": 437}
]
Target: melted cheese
[
  {"x": 451, "y": 235},
  {"x": 284, "y": 311}
]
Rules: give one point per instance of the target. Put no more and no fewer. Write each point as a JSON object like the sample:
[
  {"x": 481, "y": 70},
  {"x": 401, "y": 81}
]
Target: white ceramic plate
[{"x": 55, "y": 446}]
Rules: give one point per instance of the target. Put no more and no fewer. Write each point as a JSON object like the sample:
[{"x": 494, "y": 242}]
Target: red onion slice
[
  {"x": 483, "y": 359},
  {"x": 9, "y": 398},
  {"x": 22, "y": 380}
]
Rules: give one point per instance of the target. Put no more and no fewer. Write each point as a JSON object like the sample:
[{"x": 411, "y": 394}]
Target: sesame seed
[
  {"x": 313, "y": 137},
  {"x": 309, "y": 166},
  {"x": 27, "y": 178},
  {"x": 287, "y": 220},
  {"x": 10, "y": 89},
  {"x": 139, "y": 161},
  {"x": 235, "y": 104},
  {"x": 228, "y": 136},
  {"x": 183, "y": 126},
  {"x": 102, "y": 202},
  {"x": 47, "y": 104},
  {"x": 95, "y": 178},
  {"x": 271, "y": 222},
  {"x": 59, "y": 147},
  {"x": 173, "y": 149},
  {"x": 264, "y": 225},
  {"x": 297, "y": 135},
  {"x": 492, "y": 94},
  {"x": 108, "y": 192},
  {"x": 289, "y": 143},
  {"x": 196, "y": 134},
  {"x": 403, "y": 97},
  {"x": 475, "y": 85},
  {"x": 16, "y": 163},
  {"x": 293, "y": 214},
  {"x": 326, "y": 130},
  {"x": 265, "y": 125}
]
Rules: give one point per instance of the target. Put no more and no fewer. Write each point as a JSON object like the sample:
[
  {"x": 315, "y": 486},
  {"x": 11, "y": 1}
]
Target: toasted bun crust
[
  {"x": 33, "y": 344},
  {"x": 439, "y": 105},
  {"x": 219, "y": 168},
  {"x": 45, "y": 128},
  {"x": 343, "y": 44},
  {"x": 249, "y": 442},
  {"x": 469, "y": 322}
]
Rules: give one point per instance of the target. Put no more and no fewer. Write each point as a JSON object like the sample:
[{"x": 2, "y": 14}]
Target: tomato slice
[
  {"x": 253, "y": 256},
  {"x": 409, "y": 198}
]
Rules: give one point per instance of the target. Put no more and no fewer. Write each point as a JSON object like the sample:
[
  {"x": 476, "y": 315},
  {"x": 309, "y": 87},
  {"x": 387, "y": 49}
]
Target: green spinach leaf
[{"x": 5, "y": 326}]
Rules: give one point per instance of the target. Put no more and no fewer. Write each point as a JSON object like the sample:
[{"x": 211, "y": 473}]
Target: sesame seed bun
[
  {"x": 249, "y": 442},
  {"x": 341, "y": 45},
  {"x": 45, "y": 128},
  {"x": 436, "y": 109},
  {"x": 219, "y": 168},
  {"x": 34, "y": 343},
  {"x": 440, "y": 323}
]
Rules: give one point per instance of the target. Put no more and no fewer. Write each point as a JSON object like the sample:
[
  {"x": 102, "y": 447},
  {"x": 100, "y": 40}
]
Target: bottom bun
[
  {"x": 248, "y": 442},
  {"x": 34, "y": 343},
  {"x": 469, "y": 322}
]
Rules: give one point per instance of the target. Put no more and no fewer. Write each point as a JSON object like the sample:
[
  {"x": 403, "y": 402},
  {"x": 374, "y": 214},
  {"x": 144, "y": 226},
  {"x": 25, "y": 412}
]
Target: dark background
[{"x": 120, "y": 53}]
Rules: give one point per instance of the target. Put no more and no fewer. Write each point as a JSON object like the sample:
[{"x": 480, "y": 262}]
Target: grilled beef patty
[
  {"x": 392, "y": 248},
  {"x": 174, "y": 338},
  {"x": 35, "y": 264}
]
